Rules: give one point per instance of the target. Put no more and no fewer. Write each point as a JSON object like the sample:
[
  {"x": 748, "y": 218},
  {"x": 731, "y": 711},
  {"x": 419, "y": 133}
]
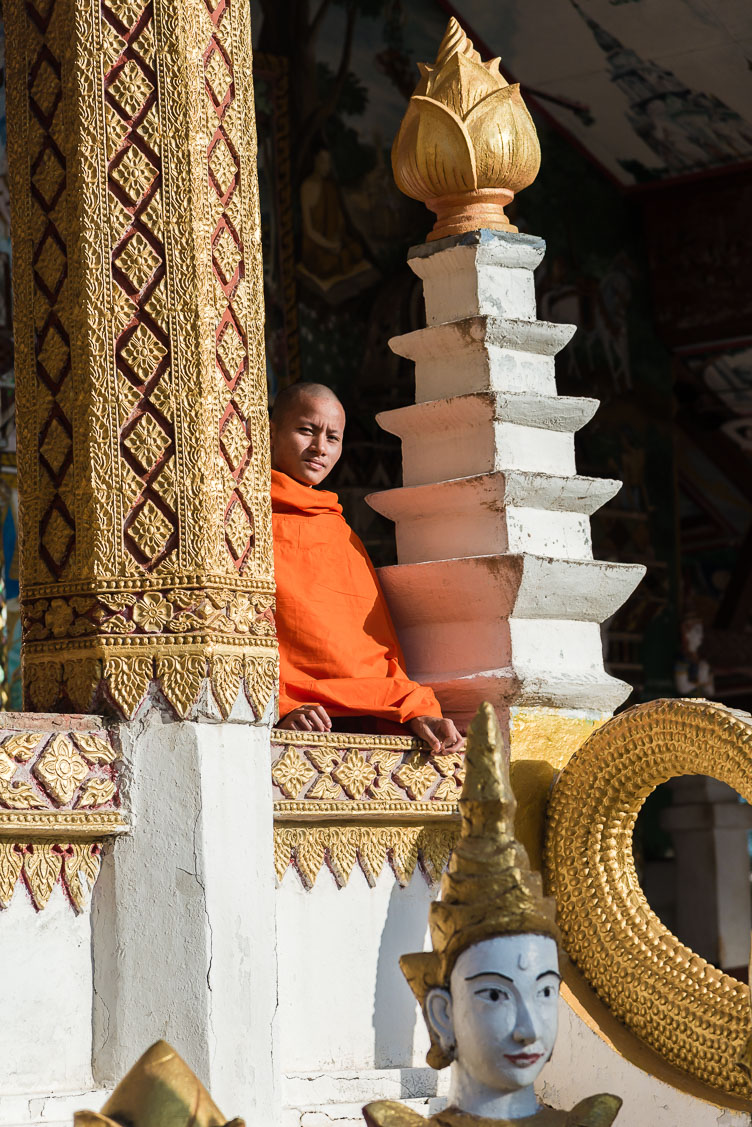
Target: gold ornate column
[{"x": 142, "y": 431}]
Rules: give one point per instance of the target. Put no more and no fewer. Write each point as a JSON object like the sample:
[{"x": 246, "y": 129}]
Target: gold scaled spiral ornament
[
  {"x": 467, "y": 143},
  {"x": 695, "y": 1016}
]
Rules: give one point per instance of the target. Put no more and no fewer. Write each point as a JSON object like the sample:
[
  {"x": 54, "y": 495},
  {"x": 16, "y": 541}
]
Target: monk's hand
[
  {"x": 307, "y": 718},
  {"x": 438, "y": 732}
]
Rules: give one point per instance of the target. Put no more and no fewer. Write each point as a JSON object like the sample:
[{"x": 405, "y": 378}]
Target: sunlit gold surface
[
  {"x": 489, "y": 888},
  {"x": 58, "y": 803},
  {"x": 138, "y": 313},
  {"x": 467, "y": 143},
  {"x": 344, "y": 799},
  {"x": 541, "y": 742},
  {"x": 159, "y": 1091},
  {"x": 693, "y": 1015}
]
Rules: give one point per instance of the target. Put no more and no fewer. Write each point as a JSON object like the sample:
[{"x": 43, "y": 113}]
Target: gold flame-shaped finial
[
  {"x": 489, "y": 888},
  {"x": 467, "y": 143}
]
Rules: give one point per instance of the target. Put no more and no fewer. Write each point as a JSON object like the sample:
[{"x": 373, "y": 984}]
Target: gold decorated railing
[
  {"x": 59, "y": 803},
  {"x": 342, "y": 798}
]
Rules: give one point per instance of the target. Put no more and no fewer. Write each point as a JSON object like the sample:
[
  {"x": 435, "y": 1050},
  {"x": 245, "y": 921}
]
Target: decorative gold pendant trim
[
  {"x": 308, "y": 848},
  {"x": 342, "y": 797},
  {"x": 689, "y": 1012}
]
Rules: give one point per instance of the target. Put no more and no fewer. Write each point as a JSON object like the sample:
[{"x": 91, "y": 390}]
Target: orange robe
[{"x": 337, "y": 643}]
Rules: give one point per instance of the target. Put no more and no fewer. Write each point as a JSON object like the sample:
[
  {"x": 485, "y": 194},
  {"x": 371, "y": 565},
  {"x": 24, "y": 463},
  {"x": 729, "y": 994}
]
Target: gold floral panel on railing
[
  {"x": 346, "y": 798},
  {"x": 142, "y": 426},
  {"x": 59, "y": 801}
]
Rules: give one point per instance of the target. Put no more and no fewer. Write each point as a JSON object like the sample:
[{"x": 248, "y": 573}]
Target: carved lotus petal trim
[
  {"x": 436, "y": 154},
  {"x": 461, "y": 83}
]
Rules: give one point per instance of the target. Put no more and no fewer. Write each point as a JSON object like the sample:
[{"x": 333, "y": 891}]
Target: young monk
[{"x": 339, "y": 654}]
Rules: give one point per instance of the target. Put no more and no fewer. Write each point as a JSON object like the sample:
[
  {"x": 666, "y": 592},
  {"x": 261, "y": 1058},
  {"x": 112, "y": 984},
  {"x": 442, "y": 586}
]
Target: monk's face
[{"x": 307, "y": 441}]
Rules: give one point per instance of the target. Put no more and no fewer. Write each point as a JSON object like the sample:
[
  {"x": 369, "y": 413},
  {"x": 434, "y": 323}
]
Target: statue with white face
[
  {"x": 489, "y": 988},
  {"x": 498, "y": 1022}
]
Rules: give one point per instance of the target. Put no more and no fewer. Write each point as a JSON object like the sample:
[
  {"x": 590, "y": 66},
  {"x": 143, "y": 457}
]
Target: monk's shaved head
[
  {"x": 290, "y": 398},
  {"x": 306, "y": 429}
]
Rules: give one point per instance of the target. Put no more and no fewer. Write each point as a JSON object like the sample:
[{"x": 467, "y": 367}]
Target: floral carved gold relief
[
  {"x": 143, "y": 446},
  {"x": 58, "y": 802},
  {"x": 342, "y": 800}
]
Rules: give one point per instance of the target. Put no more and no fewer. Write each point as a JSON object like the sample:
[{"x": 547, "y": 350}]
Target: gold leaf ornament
[
  {"x": 96, "y": 792},
  {"x": 181, "y": 677},
  {"x": 127, "y": 680},
  {"x": 95, "y": 748},
  {"x": 41, "y": 865},
  {"x": 20, "y": 796},
  {"x": 227, "y": 670},
  {"x": 21, "y": 746},
  {"x": 291, "y": 773},
  {"x": 82, "y": 860},
  {"x": 11, "y": 862},
  {"x": 467, "y": 143},
  {"x": 261, "y": 676}
]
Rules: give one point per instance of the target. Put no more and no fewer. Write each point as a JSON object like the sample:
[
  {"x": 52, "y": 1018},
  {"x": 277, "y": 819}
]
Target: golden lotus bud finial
[
  {"x": 467, "y": 143},
  {"x": 489, "y": 888}
]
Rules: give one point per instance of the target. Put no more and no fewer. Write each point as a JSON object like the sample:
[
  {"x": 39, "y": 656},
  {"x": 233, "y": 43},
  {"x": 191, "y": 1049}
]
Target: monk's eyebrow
[
  {"x": 489, "y": 974},
  {"x": 546, "y": 973}
]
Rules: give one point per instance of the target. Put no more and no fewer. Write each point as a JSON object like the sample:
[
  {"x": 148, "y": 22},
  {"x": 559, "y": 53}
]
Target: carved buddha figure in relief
[{"x": 489, "y": 989}]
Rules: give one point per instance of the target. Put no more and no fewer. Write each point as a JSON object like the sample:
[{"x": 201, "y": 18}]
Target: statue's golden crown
[{"x": 489, "y": 888}]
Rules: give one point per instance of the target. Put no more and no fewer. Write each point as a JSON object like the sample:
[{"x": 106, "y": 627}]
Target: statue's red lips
[{"x": 523, "y": 1060}]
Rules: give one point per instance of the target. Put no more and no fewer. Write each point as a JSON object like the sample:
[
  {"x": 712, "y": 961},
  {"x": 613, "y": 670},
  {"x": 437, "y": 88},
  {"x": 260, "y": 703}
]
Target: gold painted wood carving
[
  {"x": 58, "y": 801},
  {"x": 141, "y": 387},
  {"x": 693, "y": 1015},
  {"x": 342, "y": 798},
  {"x": 467, "y": 143}
]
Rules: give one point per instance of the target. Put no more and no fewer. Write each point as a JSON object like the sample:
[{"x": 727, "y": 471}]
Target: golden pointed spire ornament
[
  {"x": 159, "y": 1091},
  {"x": 489, "y": 888},
  {"x": 467, "y": 143}
]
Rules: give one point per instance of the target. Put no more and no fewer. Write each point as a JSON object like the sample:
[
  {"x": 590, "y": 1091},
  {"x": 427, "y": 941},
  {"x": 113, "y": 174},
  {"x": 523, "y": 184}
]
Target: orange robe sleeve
[{"x": 337, "y": 642}]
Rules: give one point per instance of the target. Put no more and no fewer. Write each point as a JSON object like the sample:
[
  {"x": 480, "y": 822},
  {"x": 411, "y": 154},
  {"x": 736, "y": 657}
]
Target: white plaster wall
[
  {"x": 45, "y": 1013},
  {"x": 184, "y": 944},
  {"x": 343, "y": 1002},
  {"x": 584, "y": 1064}
]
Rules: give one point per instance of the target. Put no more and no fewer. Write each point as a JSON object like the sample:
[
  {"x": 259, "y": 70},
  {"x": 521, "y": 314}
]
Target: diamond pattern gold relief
[
  {"x": 231, "y": 352},
  {"x": 234, "y": 441},
  {"x": 137, "y": 260},
  {"x": 218, "y": 74},
  {"x": 56, "y": 447},
  {"x": 228, "y": 262},
  {"x": 48, "y": 178},
  {"x": 150, "y": 531},
  {"x": 143, "y": 352},
  {"x": 223, "y": 166},
  {"x": 44, "y": 87},
  {"x": 131, "y": 88},
  {"x": 50, "y": 263},
  {"x": 227, "y": 255},
  {"x": 134, "y": 172},
  {"x": 238, "y": 530},
  {"x": 147, "y": 440},
  {"x": 136, "y": 417},
  {"x": 61, "y": 769}
]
